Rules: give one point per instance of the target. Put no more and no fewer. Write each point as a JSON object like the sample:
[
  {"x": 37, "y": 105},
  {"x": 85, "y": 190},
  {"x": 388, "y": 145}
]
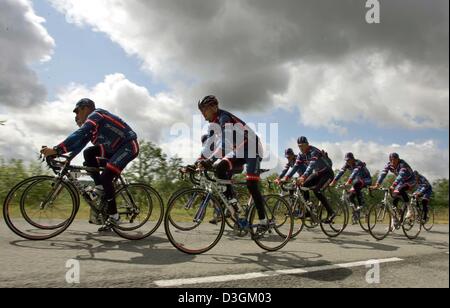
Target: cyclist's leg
[
  {"x": 253, "y": 178},
  {"x": 320, "y": 181},
  {"x": 426, "y": 203},
  {"x": 401, "y": 192},
  {"x": 90, "y": 157},
  {"x": 224, "y": 171},
  {"x": 114, "y": 168}
]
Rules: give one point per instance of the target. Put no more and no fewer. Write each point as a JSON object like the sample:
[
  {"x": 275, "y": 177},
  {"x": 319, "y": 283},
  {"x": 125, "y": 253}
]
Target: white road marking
[{"x": 248, "y": 276}]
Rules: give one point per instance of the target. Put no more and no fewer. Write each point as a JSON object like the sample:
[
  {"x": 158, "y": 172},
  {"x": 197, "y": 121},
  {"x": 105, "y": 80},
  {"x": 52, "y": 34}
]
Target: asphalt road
[{"x": 310, "y": 261}]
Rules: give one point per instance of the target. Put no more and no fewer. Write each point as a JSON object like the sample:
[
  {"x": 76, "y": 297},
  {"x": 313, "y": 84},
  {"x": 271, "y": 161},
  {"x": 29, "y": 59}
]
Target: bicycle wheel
[
  {"x": 379, "y": 221},
  {"x": 183, "y": 225},
  {"x": 187, "y": 219},
  {"x": 141, "y": 211},
  {"x": 429, "y": 224},
  {"x": 280, "y": 223},
  {"x": 412, "y": 222},
  {"x": 364, "y": 219},
  {"x": 298, "y": 214},
  {"x": 338, "y": 225},
  {"x": 41, "y": 207}
]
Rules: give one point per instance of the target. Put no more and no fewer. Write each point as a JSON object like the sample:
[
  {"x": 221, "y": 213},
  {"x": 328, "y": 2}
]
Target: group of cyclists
[
  {"x": 311, "y": 158},
  {"x": 229, "y": 146}
]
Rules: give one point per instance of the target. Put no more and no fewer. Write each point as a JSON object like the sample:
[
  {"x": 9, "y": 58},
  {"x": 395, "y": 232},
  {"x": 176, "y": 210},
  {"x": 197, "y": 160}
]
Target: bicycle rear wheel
[
  {"x": 379, "y": 221},
  {"x": 298, "y": 214},
  {"x": 364, "y": 218},
  {"x": 141, "y": 211},
  {"x": 186, "y": 221},
  {"x": 338, "y": 225},
  {"x": 412, "y": 223},
  {"x": 280, "y": 223},
  {"x": 40, "y": 208},
  {"x": 429, "y": 224}
]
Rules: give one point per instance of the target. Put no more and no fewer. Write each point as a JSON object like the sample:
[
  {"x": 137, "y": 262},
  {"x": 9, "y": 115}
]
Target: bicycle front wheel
[
  {"x": 429, "y": 224},
  {"x": 379, "y": 221},
  {"x": 40, "y": 208},
  {"x": 339, "y": 223},
  {"x": 280, "y": 223},
  {"x": 187, "y": 221}
]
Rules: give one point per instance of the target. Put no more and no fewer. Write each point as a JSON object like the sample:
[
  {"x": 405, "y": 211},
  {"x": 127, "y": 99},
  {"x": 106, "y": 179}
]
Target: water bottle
[{"x": 91, "y": 193}]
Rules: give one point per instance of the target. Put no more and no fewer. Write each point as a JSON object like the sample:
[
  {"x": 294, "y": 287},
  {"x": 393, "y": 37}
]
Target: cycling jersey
[
  {"x": 312, "y": 161},
  {"x": 237, "y": 139},
  {"x": 404, "y": 173},
  {"x": 103, "y": 129},
  {"x": 359, "y": 171}
]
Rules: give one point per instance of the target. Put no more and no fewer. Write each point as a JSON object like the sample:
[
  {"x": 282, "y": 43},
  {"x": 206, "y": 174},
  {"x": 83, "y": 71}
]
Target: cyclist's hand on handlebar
[
  {"x": 301, "y": 181},
  {"x": 48, "y": 152},
  {"x": 375, "y": 187}
]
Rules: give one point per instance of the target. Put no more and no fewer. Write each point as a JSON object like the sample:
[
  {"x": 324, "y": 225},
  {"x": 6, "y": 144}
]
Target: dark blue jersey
[{"x": 101, "y": 128}]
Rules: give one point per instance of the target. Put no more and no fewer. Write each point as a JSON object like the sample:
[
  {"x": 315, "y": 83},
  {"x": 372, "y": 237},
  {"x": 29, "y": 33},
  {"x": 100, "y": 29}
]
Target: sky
[{"x": 315, "y": 68}]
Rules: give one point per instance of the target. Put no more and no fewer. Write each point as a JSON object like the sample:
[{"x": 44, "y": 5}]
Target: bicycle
[
  {"x": 359, "y": 215},
  {"x": 384, "y": 218},
  {"x": 428, "y": 224},
  {"x": 48, "y": 205},
  {"x": 314, "y": 214},
  {"x": 187, "y": 212},
  {"x": 195, "y": 179}
]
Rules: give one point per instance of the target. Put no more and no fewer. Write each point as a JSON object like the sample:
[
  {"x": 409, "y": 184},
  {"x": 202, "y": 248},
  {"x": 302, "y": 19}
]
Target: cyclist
[
  {"x": 404, "y": 181},
  {"x": 424, "y": 191},
  {"x": 318, "y": 172},
  {"x": 114, "y": 141},
  {"x": 359, "y": 179},
  {"x": 291, "y": 159},
  {"x": 239, "y": 145}
]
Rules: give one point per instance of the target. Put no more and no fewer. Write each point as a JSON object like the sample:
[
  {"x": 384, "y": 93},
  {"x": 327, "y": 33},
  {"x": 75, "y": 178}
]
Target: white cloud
[
  {"x": 364, "y": 88},
  {"x": 51, "y": 122},
  {"x": 23, "y": 41},
  {"x": 319, "y": 56}
]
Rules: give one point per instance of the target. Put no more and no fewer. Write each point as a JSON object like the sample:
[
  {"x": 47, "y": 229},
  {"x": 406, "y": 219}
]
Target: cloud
[
  {"x": 51, "y": 122},
  {"x": 427, "y": 157},
  {"x": 23, "y": 41},
  {"x": 255, "y": 54},
  {"x": 366, "y": 89}
]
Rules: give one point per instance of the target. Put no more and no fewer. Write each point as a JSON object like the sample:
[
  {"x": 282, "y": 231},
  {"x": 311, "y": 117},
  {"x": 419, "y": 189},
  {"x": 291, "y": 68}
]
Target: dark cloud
[{"x": 23, "y": 41}]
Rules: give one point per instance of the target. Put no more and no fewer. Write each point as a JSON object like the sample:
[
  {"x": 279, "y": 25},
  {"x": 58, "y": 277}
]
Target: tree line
[{"x": 155, "y": 168}]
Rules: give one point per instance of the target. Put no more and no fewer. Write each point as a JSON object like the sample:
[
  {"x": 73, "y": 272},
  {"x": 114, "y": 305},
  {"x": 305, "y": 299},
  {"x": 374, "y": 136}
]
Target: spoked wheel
[
  {"x": 187, "y": 221},
  {"x": 429, "y": 224},
  {"x": 379, "y": 221},
  {"x": 298, "y": 214},
  {"x": 338, "y": 224},
  {"x": 364, "y": 218},
  {"x": 412, "y": 223},
  {"x": 141, "y": 211},
  {"x": 280, "y": 224},
  {"x": 40, "y": 208}
]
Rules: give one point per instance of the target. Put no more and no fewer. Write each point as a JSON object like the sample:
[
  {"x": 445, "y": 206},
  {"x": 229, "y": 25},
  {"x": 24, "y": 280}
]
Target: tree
[
  {"x": 440, "y": 197},
  {"x": 2, "y": 122}
]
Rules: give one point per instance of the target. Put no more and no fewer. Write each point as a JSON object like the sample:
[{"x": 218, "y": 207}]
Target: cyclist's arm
[
  {"x": 354, "y": 174},
  {"x": 402, "y": 177},
  {"x": 316, "y": 156},
  {"x": 285, "y": 171},
  {"x": 383, "y": 174},
  {"x": 299, "y": 167},
  {"x": 341, "y": 173},
  {"x": 79, "y": 139}
]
